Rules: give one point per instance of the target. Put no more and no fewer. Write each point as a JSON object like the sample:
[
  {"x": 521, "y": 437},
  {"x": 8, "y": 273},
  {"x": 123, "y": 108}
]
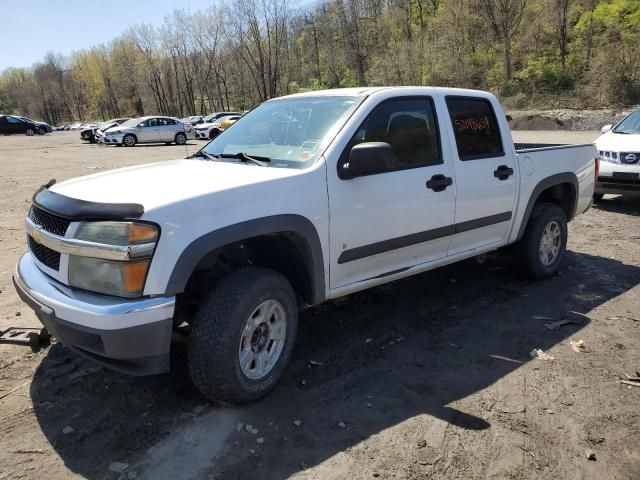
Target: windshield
[
  {"x": 289, "y": 132},
  {"x": 631, "y": 124},
  {"x": 131, "y": 123}
]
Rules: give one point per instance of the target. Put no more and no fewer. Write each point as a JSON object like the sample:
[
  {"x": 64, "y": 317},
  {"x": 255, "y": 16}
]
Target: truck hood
[
  {"x": 157, "y": 184},
  {"x": 617, "y": 142}
]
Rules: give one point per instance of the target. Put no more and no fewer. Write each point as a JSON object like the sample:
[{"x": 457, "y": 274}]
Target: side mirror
[
  {"x": 606, "y": 128},
  {"x": 140, "y": 125},
  {"x": 367, "y": 159}
]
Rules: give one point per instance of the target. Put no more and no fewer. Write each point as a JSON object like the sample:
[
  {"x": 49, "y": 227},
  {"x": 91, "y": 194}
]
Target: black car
[
  {"x": 10, "y": 124},
  {"x": 43, "y": 126},
  {"x": 89, "y": 134}
]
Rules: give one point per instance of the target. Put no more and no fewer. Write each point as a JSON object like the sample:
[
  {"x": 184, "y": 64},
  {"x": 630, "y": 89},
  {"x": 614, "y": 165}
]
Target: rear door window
[{"x": 475, "y": 127}]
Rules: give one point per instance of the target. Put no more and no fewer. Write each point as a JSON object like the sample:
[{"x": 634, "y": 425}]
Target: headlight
[{"x": 114, "y": 277}]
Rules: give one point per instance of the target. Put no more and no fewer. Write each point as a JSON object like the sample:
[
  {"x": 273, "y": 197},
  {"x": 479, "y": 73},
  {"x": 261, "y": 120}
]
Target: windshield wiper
[
  {"x": 201, "y": 153},
  {"x": 262, "y": 161}
]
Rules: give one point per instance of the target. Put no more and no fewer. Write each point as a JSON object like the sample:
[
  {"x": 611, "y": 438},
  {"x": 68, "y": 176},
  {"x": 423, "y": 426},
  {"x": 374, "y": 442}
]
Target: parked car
[
  {"x": 619, "y": 150},
  {"x": 210, "y": 128},
  {"x": 148, "y": 130},
  {"x": 193, "y": 120},
  {"x": 89, "y": 134},
  {"x": 228, "y": 121},
  {"x": 13, "y": 124},
  {"x": 42, "y": 126},
  {"x": 308, "y": 197}
]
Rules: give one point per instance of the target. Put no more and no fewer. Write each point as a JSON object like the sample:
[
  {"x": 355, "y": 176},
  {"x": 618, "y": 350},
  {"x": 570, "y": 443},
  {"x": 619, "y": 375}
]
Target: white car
[
  {"x": 152, "y": 129},
  {"x": 308, "y": 197},
  {"x": 210, "y": 128},
  {"x": 619, "y": 151}
]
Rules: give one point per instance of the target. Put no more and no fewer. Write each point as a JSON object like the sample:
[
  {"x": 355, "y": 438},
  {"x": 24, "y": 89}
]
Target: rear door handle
[
  {"x": 503, "y": 172},
  {"x": 439, "y": 182}
]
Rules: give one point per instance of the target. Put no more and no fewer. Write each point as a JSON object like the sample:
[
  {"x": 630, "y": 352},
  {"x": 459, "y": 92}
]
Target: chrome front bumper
[{"x": 132, "y": 336}]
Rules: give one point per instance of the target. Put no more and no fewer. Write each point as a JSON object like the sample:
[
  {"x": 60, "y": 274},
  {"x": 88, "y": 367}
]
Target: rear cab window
[{"x": 475, "y": 128}]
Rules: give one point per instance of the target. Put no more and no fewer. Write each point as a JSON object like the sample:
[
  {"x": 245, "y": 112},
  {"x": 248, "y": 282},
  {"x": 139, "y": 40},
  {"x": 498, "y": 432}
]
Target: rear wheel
[
  {"x": 213, "y": 133},
  {"x": 242, "y": 336},
  {"x": 181, "y": 138},
  {"x": 545, "y": 239},
  {"x": 129, "y": 141}
]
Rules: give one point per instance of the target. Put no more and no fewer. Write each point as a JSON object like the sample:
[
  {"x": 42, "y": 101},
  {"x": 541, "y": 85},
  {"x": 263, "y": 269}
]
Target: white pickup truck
[{"x": 308, "y": 197}]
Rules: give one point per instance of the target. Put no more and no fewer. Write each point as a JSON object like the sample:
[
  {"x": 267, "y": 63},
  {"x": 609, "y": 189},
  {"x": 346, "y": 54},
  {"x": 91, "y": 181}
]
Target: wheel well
[
  {"x": 284, "y": 252},
  {"x": 563, "y": 195}
]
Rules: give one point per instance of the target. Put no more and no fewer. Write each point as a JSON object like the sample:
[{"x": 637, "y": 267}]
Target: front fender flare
[{"x": 289, "y": 223}]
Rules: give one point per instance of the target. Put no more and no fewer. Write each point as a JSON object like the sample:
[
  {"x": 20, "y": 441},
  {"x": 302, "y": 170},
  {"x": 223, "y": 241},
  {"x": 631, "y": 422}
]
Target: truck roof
[{"x": 366, "y": 91}]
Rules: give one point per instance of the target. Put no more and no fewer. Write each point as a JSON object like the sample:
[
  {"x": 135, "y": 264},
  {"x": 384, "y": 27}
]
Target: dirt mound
[{"x": 535, "y": 122}]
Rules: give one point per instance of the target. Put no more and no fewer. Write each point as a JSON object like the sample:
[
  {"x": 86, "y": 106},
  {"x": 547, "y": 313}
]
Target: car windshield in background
[
  {"x": 288, "y": 132},
  {"x": 631, "y": 124},
  {"x": 131, "y": 123}
]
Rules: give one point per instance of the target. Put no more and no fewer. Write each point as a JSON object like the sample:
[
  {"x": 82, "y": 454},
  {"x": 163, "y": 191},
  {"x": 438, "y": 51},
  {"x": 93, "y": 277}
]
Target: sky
[{"x": 31, "y": 28}]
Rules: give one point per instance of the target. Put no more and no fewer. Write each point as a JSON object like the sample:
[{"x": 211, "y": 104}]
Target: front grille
[
  {"x": 629, "y": 158},
  {"x": 45, "y": 255},
  {"x": 48, "y": 222}
]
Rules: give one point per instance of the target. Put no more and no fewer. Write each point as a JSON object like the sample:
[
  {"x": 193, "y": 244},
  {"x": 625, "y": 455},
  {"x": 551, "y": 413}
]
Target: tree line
[{"x": 234, "y": 56}]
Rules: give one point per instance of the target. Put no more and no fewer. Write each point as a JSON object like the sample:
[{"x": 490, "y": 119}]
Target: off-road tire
[
  {"x": 129, "y": 140},
  {"x": 180, "y": 139},
  {"x": 216, "y": 331},
  {"x": 527, "y": 251}
]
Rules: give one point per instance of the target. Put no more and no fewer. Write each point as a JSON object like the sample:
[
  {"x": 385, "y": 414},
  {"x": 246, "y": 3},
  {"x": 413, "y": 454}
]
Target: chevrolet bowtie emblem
[{"x": 36, "y": 234}]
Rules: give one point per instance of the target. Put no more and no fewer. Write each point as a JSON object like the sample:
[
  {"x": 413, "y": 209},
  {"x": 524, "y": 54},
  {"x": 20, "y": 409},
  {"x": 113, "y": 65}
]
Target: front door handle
[
  {"x": 503, "y": 172},
  {"x": 439, "y": 182}
]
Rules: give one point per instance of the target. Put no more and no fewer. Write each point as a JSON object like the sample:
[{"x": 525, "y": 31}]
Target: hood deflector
[{"x": 75, "y": 209}]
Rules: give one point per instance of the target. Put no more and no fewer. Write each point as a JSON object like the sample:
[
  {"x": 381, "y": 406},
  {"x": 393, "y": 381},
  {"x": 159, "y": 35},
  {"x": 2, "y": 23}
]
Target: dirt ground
[{"x": 429, "y": 377}]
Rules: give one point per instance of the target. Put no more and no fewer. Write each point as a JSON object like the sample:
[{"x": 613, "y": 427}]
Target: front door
[
  {"x": 386, "y": 222},
  {"x": 150, "y": 132},
  {"x": 485, "y": 174}
]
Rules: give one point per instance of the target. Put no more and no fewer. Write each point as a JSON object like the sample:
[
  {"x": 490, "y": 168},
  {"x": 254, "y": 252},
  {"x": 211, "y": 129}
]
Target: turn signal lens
[
  {"x": 135, "y": 274},
  {"x": 142, "y": 233}
]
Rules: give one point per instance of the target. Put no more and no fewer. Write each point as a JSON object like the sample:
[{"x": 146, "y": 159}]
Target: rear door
[
  {"x": 168, "y": 128},
  {"x": 389, "y": 221},
  {"x": 485, "y": 167}
]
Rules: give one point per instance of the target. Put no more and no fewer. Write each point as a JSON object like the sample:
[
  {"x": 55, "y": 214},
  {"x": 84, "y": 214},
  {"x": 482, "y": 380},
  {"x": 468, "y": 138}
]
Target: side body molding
[
  {"x": 557, "y": 179},
  {"x": 289, "y": 223}
]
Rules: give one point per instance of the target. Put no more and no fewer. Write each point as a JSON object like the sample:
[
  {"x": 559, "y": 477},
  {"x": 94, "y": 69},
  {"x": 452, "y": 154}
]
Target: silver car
[{"x": 148, "y": 130}]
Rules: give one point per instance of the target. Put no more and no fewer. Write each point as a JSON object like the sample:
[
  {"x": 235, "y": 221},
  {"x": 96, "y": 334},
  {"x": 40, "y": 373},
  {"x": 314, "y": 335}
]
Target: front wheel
[
  {"x": 30, "y": 132},
  {"x": 129, "y": 141},
  {"x": 545, "y": 239},
  {"x": 180, "y": 139},
  {"x": 242, "y": 336}
]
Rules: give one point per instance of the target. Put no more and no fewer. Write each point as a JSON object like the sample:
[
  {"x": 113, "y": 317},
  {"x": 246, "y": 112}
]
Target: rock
[
  {"x": 540, "y": 354},
  {"x": 260, "y": 440},
  {"x": 590, "y": 454},
  {"x": 549, "y": 411},
  {"x": 369, "y": 405},
  {"x": 239, "y": 427},
  {"x": 248, "y": 427},
  {"x": 18, "y": 314},
  {"x": 297, "y": 423},
  {"x": 118, "y": 467},
  {"x": 199, "y": 409},
  {"x": 303, "y": 466},
  {"x": 342, "y": 425},
  {"x": 313, "y": 363},
  {"x": 368, "y": 340},
  {"x": 577, "y": 346},
  {"x": 68, "y": 429},
  {"x": 422, "y": 443},
  {"x": 252, "y": 451},
  {"x": 254, "y": 431}
]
